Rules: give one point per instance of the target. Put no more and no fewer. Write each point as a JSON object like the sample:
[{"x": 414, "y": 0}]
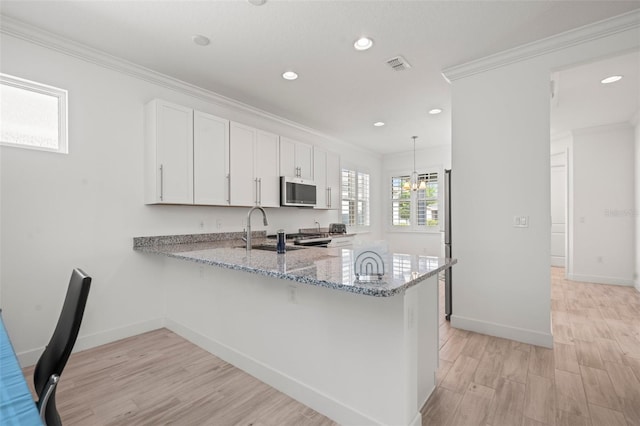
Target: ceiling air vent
[{"x": 398, "y": 63}]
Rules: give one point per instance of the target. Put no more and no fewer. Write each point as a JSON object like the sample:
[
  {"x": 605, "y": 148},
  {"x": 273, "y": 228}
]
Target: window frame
[
  {"x": 366, "y": 202},
  {"x": 60, "y": 94},
  {"x": 413, "y": 227}
]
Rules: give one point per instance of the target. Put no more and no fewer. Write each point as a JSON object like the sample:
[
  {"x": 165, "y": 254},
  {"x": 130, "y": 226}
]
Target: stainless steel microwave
[{"x": 297, "y": 192}]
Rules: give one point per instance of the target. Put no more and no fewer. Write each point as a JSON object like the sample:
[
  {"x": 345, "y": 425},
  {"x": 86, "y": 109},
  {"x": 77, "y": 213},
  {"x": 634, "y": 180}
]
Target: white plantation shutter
[{"x": 355, "y": 198}]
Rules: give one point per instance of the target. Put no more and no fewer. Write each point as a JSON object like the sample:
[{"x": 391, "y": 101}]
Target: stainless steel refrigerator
[{"x": 447, "y": 243}]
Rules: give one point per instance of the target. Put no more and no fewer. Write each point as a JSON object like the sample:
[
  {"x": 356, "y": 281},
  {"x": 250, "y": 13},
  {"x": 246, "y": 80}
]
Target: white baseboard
[
  {"x": 307, "y": 395},
  {"x": 637, "y": 286},
  {"x": 500, "y": 330},
  {"x": 600, "y": 280},
  {"x": 558, "y": 261},
  {"x": 30, "y": 357}
]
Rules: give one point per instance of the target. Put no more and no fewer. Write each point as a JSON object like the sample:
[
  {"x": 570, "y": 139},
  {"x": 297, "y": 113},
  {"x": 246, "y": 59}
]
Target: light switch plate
[{"x": 521, "y": 221}]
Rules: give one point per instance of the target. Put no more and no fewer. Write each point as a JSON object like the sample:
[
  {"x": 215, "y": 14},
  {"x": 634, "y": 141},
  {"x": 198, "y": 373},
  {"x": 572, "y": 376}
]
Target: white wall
[
  {"x": 433, "y": 158},
  {"x": 603, "y": 201},
  {"x": 500, "y": 154},
  {"x": 82, "y": 209}
]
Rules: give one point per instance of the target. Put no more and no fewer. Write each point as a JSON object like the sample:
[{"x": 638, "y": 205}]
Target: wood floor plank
[
  {"x": 587, "y": 354},
  {"x": 541, "y": 362},
  {"x": 570, "y": 394},
  {"x": 564, "y": 418},
  {"x": 461, "y": 374},
  {"x": 507, "y": 408},
  {"x": 475, "y": 346},
  {"x": 489, "y": 369},
  {"x": 440, "y": 407},
  {"x": 624, "y": 381},
  {"x": 609, "y": 350},
  {"x": 539, "y": 399},
  {"x": 599, "y": 389},
  {"x": 474, "y": 407},
  {"x": 454, "y": 346},
  {"x": 516, "y": 365},
  {"x": 565, "y": 358},
  {"x": 604, "y": 416}
]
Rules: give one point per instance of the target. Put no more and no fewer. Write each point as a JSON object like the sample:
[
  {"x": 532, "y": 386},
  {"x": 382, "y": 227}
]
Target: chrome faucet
[
  {"x": 318, "y": 224},
  {"x": 264, "y": 217}
]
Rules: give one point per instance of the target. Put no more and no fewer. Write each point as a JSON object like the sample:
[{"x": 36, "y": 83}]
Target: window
[
  {"x": 414, "y": 209},
  {"x": 355, "y": 198},
  {"x": 32, "y": 115}
]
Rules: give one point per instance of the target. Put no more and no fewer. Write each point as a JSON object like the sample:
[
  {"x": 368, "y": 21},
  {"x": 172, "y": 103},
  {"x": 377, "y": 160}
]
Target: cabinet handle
[
  {"x": 329, "y": 197},
  {"x": 255, "y": 182},
  {"x": 161, "y": 182},
  {"x": 228, "y": 188},
  {"x": 260, "y": 191}
]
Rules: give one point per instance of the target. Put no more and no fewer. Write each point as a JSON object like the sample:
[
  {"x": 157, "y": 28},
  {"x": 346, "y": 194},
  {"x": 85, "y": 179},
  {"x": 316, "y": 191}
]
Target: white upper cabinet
[
  {"x": 296, "y": 159},
  {"x": 254, "y": 167},
  {"x": 186, "y": 156},
  {"x": 326, "y": 170},
  {"x": 267, "y": 168},
  {"x": 210, "y": 159},
  {"x": 168, "y": 153}
]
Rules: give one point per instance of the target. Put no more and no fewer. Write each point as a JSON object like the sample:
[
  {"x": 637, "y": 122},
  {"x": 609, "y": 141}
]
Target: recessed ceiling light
[
  {"x": 363, "y": 43},
  {"x": 435, "y": 111},
  {"x": 289, "y": 75},
  {"x": 611, "y": 79},
  {"x": 257, "y": 2},
  {"x": 378, "y": 124},
  {"x": 200, "y": 40}
]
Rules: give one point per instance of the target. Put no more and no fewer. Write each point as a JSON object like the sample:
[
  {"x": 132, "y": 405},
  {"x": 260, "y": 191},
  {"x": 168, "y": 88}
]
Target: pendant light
[{"x": 413, "y": 183}]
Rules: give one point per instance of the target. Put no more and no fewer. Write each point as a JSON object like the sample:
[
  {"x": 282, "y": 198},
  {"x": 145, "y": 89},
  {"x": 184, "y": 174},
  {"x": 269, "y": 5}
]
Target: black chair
[{"x": 56, "y": 354}]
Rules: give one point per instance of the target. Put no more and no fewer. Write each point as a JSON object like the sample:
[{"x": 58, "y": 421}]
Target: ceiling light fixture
[
  {"x": 200, "y": 40},
  {"x": 378, "y": 124},
  {"x": 257, "y": 2},
  {"x": 289, "y": 75},
  {"x": 363, "y": 43},
  {"x": 413, "y": 183},
  {"x": 435, "y": 111},
  {"x": 611, "y": 79}
]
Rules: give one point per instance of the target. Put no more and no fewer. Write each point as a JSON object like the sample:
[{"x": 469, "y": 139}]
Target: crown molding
[
  {"x": 21, "y": 30},
  {"x": 600, "y": 29}
]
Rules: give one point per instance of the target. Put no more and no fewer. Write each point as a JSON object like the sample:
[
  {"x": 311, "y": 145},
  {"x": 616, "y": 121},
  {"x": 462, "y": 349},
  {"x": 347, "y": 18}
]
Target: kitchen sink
[{"x": 268, "y": 247}]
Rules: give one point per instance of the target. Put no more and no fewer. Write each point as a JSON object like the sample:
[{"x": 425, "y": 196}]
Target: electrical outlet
[
  {"x": 219, "y": 224},
  {"x": 202, "y": 224}
]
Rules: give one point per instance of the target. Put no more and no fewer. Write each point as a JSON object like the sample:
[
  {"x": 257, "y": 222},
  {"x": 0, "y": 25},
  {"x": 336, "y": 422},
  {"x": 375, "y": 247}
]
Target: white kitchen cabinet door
[
  {"x": 333, "y": 173},
  {"x": 267, "y": 168},
  {"x": 168, "y": 153},
  {"x": 243, "y": 185},
  {"x": 296, "y": 159},
  {"x": 326, "y": 171},
  {"x": 320, "y": 175},
  {"x": 210, "y": 159}
]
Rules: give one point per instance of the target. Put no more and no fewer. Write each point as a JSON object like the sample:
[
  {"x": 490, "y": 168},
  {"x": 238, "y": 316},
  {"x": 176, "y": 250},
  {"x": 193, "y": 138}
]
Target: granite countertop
[{"x": 326, "y": 267}]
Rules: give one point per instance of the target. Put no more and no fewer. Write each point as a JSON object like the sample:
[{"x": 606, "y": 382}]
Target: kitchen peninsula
[{"x": 357, "y": 352}]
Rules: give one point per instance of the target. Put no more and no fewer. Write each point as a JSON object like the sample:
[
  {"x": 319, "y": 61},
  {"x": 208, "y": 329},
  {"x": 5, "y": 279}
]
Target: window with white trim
[
  {"x": 414, "y": 210},
  {"x": 32, "y": 115},
  {"x": 355, "y": 198}
]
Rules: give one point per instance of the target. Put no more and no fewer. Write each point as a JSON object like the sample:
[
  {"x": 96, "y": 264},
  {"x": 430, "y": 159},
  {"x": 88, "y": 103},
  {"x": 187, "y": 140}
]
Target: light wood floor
[{"x": 591, "y": 377}]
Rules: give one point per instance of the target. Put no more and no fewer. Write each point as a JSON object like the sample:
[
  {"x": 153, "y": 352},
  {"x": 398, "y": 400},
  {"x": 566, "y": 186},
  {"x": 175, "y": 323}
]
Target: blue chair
[{"x": 55, "y": 356}]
